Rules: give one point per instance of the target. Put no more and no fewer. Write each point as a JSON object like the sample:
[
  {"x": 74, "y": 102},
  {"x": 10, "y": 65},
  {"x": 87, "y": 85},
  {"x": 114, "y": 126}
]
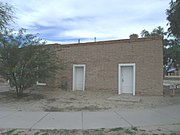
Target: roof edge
[{"x": 149, "y": 38}]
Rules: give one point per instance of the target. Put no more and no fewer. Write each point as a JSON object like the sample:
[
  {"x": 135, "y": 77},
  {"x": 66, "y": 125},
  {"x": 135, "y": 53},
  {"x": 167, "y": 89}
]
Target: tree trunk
[{"x": 19, "y": 92}]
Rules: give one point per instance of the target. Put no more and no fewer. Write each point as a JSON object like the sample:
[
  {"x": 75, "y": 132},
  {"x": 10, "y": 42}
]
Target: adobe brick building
[{"x": 133, "y": 66}]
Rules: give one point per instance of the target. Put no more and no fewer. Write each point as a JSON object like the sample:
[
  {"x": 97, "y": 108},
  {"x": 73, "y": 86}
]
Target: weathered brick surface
[{"x": 102, "y": 59}]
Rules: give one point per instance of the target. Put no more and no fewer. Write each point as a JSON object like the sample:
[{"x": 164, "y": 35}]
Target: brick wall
[{"x": 102, "y": 59}]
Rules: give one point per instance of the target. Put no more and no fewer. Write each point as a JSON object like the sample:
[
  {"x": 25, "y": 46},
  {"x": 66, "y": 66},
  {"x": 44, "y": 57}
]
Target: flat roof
[{"x": 149, "y": 38}]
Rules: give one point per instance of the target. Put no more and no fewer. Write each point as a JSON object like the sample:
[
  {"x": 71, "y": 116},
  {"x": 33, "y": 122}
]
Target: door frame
[
  {"x": 119, "y": 76},
  {"x": 74, "y": 70}
]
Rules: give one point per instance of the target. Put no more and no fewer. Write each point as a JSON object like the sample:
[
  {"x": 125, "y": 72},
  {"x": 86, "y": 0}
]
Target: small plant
[
  {"x": 158, "y": 129},
  {"x": 128, "y": 131},
  {"x": 65, "y": 132},
  {"x": 173, "y": 133},
  {"x": 44, "y": 134},
  {"x": 142, "y": 130},
  {"x": 144, "y": 134},
  {"x": 134, "y": 128},
  {"x": 116, "y": 129},
  {"x": 36, "y": 133},
  {"x": 9, "y": 132},
  {"x": 101, "y": 132}
]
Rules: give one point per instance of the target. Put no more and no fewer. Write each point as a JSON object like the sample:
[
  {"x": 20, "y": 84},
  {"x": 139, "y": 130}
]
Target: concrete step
[{"x": 125, "y": 98}]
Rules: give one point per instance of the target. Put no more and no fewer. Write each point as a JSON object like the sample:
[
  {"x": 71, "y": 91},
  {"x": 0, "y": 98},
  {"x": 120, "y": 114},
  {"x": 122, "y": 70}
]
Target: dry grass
[
  {"x": 113, "y": 131},
  {"x": 51, "y": 99}
]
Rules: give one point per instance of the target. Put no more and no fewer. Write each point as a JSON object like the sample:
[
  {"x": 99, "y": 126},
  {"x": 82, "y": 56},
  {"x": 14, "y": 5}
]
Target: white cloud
[{"x": 59, "y": 20}]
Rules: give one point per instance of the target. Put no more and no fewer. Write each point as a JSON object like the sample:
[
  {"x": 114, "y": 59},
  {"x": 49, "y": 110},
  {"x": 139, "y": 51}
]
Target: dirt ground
[{"x": 41, "y": 98}]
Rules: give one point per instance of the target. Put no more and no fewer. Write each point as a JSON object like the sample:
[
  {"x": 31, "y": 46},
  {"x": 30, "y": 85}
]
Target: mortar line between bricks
[
  {"x": 123, "y": 118},
  {"x": 38, "y": 121},
  {"x": 82, "y": 120}
]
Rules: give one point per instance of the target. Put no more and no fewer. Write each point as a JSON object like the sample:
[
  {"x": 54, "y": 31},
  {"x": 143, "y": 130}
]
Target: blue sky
[{"x": 66, "y": 21}]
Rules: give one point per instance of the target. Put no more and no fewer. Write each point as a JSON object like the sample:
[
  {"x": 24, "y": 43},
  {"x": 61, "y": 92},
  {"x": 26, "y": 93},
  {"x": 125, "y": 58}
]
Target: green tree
[
  {"x": 172, "y": 51},
  {"x": 173, "y": 16},
  {"x": 145, "y": 33},
  {"x": 155, "y": 32},
  {"x": 171, "y": 45},
  {"x": 6, "y": 14},
  {"x": 24, "y": 59},
  {"x": 158, "y": 31}
]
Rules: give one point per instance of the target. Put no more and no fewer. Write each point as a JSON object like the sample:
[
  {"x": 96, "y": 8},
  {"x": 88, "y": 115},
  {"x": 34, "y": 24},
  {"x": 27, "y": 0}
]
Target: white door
[
  {"x": 79, "y": 78},
  {"x": 126, "y": 79}
]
